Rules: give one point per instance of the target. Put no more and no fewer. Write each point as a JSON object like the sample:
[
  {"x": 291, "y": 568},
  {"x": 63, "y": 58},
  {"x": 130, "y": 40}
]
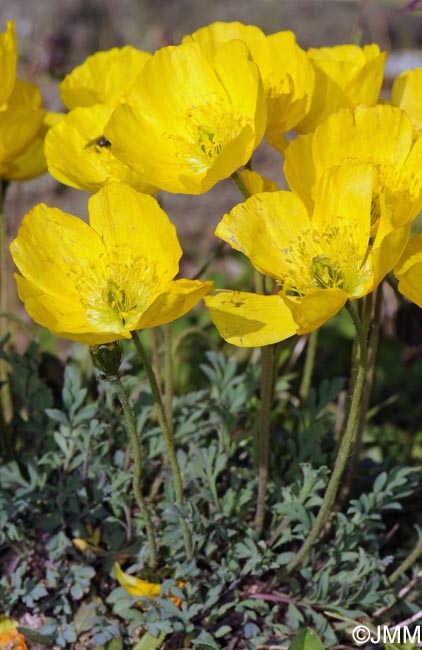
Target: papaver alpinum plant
[{"x": 249, "y": 515}]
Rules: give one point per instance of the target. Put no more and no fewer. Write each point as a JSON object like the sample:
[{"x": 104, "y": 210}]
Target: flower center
[
  {"x": 117, "y": 289},
  {"x": 324, "y": 260},
  {"x": 326, "y": 273},
  {"x": 205, "y": 130}
]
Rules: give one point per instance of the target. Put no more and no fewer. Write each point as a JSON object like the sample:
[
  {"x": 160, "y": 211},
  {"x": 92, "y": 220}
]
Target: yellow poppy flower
[
  {"x": 79, "y": 155},
  {"x": 191, "y": 122},
  {"x": 142, "y": 588},
  {"x": 8, "y": 59},
  {"x": 409, "y": 271},
  {"x": 345, "y": 76},
  {"x": 287, "y": 74},
  {"x": 381, "y": 136},
  {"x": 20, "y": 124},
  {"x": 407, "y": 94},
  {"x": 318, "y": 259},
  {"x": 96, "y": 283},
  {"x": 103, "y": 78}
]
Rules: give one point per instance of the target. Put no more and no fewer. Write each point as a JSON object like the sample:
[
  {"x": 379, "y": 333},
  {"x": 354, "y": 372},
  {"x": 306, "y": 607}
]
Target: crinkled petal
[
  {"x": 51, "y": 245},
  {"x": 64, "y": 317},
  {"x": 245, "y": 91},
  {"x": 262, "y": 227},
  {"x": 386, "y": 255},
  {"x": 103, "y": 78},
  {"x": 20, "y": 122},
  {"x": 380, "y": 135},
  {"x": 299, "y": 169},
  {"x": 250, "y": 320},
  {"x": 290, "y": 84},
  {"x": 8, "y": 60},
  {"x": 177, "y": 299},
  {"x": 316, "y": 308},
  {"x": 255, "y": 183},
  {"x": 187, "y": 141},
  {"x": 407, "y": 94},
  {"x": 344, "y": 195},
  {"x": 409, "y": 271},
  {"x": 345, "y": 76},
  {"x": 134, "y": 224},
  {"x": 77, "y": 157}
]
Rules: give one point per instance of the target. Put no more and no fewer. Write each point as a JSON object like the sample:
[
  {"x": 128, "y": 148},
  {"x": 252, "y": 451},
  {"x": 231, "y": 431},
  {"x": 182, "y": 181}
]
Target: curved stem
[
  {"x": 5, "y": 395},
  {"x": 137, "y": 456},
  {"x": 267, "y": 393},
  {"x": 309, "y": 365},
  {"x": 241, "y": 185},
  {"x": 267, "y": 362},
  {"x": 169, "y": 442},
  {"x": 168, "y": 376},
  {"x": 216, "y": 253},
  {"x": 345, "y": 446},
  {"x": 155, "y": 344},
  {"x": 374, "y": 322}
]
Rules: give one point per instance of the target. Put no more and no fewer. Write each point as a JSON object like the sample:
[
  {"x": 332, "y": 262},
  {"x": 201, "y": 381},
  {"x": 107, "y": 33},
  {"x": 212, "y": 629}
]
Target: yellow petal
[
  {"x": 77, "y": 157},
  {"x": 177, "y": 299},
  {"x": 213, "y": 36},
  {"x": 286, "y": 71},
  {"x": 245, "y": 92},
  {"x": 409, "y": 271},
  {"x": 262, "y": 226},
  {"x": 50, "y": 245},
  {"x": 344, "y": 196},
  {"x": 187, "y": 141},
  {"x": 103, "y": 78},
  {"x": 136, "y": 586},
  {"x": 407, "y": 94},
  {"x": 8, "y": 59},
  {"x": 248, "y": 319},
  {"x": 387, "y": 253},
  {"x": 255, "y": 183},
  {"x": 134, "y": 225},
  {"x": 316, "y": 308},
  {"x": 64, "y": 317},
  {"x": 381, "y": 136},
  {"x": 290, "y": 84},
  {"x": 20, "y": 122},
  {"x": 345, "y": 76},
  {"x": 299, "y": 169}
]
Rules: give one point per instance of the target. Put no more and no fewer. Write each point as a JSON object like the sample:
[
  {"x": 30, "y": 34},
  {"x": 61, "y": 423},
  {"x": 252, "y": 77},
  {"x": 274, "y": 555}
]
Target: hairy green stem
[
  {"x": 372, "y": 313},
  {"x": 215, "y": 253},
  {"x": 267, "y": 394},
  {"x": 345, "y": 445},
  {"x": 169, "y": 442},
  {"x": 155, "y": 344},
  {"x": 137, "y": 456},
  {"x": 5, "y": 396},
  {"x": 168, "y": 377},
  {"x": 268, "y": 359},
  {"x": 241, "y": 186},
  {"x": 309, "y": 365}
]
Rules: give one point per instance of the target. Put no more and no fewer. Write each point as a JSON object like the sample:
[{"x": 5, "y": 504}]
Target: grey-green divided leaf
[{"x": 306, "y": 640}]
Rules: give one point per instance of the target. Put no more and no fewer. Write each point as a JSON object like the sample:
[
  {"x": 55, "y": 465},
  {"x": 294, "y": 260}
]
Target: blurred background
[{"x": 56, "y": 35}]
